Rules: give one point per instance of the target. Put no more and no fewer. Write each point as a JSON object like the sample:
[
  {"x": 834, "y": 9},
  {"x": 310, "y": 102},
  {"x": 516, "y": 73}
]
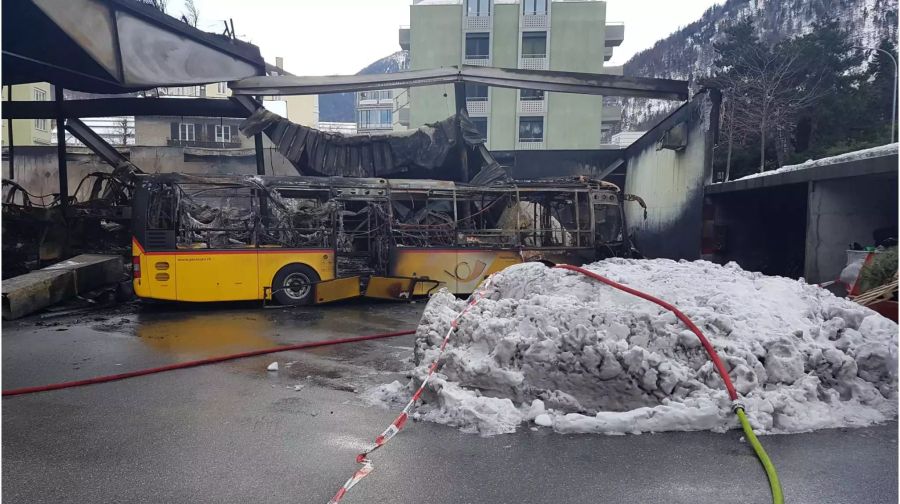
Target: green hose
[{"x": 777, "y": 497}]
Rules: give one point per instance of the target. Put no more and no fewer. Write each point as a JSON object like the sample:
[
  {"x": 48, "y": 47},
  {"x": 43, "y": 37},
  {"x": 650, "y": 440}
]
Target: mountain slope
[
  {"x": 341, "y": 107},
  {"x": 688, "y": 53}
]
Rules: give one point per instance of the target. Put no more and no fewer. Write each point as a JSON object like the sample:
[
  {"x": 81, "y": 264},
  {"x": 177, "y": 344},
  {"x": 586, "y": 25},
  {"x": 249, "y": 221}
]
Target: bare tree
[
  {"x": 767, "y": 88},
  {"x": 121, "y": 131},
  {"x": 191, "y": 13}
]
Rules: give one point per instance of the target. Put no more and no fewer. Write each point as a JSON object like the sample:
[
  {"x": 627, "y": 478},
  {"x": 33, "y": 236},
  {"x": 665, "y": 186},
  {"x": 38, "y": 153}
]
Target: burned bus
[{"x": 303, "y": 240}]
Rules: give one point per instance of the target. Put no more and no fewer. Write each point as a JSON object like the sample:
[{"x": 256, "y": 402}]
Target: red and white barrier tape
[{"x": 400, "y": 421}]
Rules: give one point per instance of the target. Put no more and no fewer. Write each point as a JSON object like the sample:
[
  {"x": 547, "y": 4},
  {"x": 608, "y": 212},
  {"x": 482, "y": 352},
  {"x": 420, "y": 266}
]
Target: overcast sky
[{"x": 328, "y": 37}]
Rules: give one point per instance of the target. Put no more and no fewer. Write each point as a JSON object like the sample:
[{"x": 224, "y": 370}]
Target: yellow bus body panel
[
  {"x": 459, "y": 270},
  {"x": 221, "y": 275},
  {"x": 337, "y": 289},
  {"x": 272, "y": 260},
  {"x": 226, "y": 275},
  {"x": 157, "y": 275}
]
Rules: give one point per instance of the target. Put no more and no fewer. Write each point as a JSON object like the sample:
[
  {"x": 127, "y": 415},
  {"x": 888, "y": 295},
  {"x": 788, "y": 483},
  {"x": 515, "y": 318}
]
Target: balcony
[
  {"x": 369, "y": 102},
  {"x": 533, "y": 107},
  {"x": 534, "y": 62},
  {"x": 534, "y": 22},
  {"x": 205, "y": 144},
  {"x": 530, "y": 144},
  {"x": 477, "y": 60},
  {"x": 478, "y": 22},
  {"x": 615, "y": 34},
  {"x": 478, "y": 106},
  {"x": 607, "y": 53},
  {"x": 404, "y": 38},
  {"x": 363, "y": 127},
  {"x": 613, "y": 70}
]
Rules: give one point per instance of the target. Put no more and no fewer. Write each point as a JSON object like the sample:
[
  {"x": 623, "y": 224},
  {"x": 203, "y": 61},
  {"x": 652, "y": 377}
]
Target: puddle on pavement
[{"x": 206, "y": 335}]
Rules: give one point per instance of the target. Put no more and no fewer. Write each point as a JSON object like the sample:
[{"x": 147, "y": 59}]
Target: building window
[
  {"x": 534, "y": 7},
  {"x": 481, "y": 124},
  {"x": 534, "y": 44},
  {"x": 223, "y": 133},
  {"x": 476, "y": 92},
  {"x": 222, "y": 87},
  {"x": 186, "y": 132},
  {"x": 531, "y": 129},
  {"x": 381, "y": 94},
  {"x": 531, "y": 94},
  {"x": 41, "y": 124},
  {"x": 374, "y": 119},
  {"x": 478, "y": 45},
  {"x": 478, "y": 8}
]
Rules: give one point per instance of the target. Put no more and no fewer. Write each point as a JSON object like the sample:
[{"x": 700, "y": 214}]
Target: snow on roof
[{"x": 881, "y": 150}]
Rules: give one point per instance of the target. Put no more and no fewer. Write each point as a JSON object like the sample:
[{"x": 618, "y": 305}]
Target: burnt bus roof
[{"x": 267, "y": 181}]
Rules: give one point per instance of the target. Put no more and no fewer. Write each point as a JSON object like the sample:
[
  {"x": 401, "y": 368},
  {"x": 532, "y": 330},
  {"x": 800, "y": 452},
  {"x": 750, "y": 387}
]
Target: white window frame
[
  {"x": 187, "y": 132},
  {"x": 220, "y": 133},
  {"x": 477, "y": 12},
  {"x": 41, "y": 124},
  {"x": 534, "y": 10},
  {"x": 531, "y": 118}
]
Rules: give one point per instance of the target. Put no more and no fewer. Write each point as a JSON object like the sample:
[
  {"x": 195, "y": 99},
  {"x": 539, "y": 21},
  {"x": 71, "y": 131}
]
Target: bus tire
[{"x": 295, "y": 284}]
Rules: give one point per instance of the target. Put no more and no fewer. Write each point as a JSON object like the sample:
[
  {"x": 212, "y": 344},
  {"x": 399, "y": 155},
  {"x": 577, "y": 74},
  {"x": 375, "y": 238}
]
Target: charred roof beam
[{"x": 548, "y": 80}]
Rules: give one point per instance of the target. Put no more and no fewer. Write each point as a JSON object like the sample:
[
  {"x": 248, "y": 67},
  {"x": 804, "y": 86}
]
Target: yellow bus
[{"x": 304, "y": 240}]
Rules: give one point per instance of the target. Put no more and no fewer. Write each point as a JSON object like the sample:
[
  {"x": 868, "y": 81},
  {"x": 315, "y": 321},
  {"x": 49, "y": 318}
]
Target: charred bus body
[{"x": 301, "y": 240}]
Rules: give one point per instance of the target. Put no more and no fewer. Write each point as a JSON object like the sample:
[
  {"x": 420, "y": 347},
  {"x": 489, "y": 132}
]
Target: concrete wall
[
  {"x": 671, "y": 183},
  {"x": 503, "y": 120},
  {"x": 434, "y": 42},
  {"x": 36, "y": 166},
  {"x": 842, "y": 211},
  {"x": 576, "y": 40}
]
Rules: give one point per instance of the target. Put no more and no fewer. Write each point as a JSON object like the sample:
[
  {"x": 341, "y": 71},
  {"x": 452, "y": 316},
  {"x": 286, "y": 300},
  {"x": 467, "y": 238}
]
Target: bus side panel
[
  {"x": 157, "y": 280},
  {"x": 460, "y": 270},
  {"x": 227, "y": 275},
  {"x": 476, "y": 265},
  {"x": 270, "y": 261},
  {"x": 158, "y": 270}
]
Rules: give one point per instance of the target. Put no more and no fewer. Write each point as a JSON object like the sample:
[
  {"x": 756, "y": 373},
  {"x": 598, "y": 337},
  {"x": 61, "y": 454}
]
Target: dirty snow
[
  {"x": 273, "y": 366},
  {"x": 552, "y": 347},
  {"x": 881, "y": 150}
]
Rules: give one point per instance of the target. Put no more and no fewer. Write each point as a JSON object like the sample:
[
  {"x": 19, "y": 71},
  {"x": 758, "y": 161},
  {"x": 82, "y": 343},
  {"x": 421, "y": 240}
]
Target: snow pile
[
  {"x": 564, "y": 351},
  {"x": 881, "y": 150}
]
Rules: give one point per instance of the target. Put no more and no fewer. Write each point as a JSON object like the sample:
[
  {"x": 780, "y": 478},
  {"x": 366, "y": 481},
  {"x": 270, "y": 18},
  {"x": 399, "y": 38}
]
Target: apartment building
[
  {"x": 28, "y": 131},
  {"x": 218, "y": 132},
  {"x": 382, "y": 110},
  {"x": 559, "y": 35}
]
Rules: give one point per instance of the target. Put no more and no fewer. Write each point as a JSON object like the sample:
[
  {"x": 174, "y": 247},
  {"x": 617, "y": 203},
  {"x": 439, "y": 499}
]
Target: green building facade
[{"x": 527, "y": 34}]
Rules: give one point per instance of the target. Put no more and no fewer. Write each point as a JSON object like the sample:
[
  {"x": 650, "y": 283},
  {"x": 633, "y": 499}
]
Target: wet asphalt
[{"x": 234, "y": 432}]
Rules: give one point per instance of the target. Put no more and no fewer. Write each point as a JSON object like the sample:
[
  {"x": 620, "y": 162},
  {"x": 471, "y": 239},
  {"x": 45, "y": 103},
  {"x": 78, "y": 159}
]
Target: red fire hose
[
  {"x": 713, "y": 356},
  {"x": 200, "y": 362},
  {"x": 736, "y": 406}
]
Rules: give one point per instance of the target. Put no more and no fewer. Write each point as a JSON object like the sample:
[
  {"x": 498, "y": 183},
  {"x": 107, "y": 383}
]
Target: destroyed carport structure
[
  {"x": 100, "y": 47},
  {"x": 425, "y": 153},
  {"x": 422, "y": 152},
  {"x": 113, "y": 46}
]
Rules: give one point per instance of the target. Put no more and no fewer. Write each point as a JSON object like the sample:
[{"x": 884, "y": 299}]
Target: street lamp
[{"x": 894, "y": 104}]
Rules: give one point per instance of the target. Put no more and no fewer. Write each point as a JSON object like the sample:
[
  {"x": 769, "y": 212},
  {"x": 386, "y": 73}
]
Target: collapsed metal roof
[
  {"x": 547, "y": 80},
  {"x": 115, "y": 46}
]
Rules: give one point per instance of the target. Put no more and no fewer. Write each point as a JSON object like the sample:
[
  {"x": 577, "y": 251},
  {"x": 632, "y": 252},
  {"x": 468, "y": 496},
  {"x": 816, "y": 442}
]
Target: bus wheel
[{"x": 295, "y": 284}]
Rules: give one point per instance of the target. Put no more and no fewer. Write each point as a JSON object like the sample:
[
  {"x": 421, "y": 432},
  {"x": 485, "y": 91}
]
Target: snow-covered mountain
[
  {"x": 688, "y": 53},
  {"x": 341, "y": 107}
]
